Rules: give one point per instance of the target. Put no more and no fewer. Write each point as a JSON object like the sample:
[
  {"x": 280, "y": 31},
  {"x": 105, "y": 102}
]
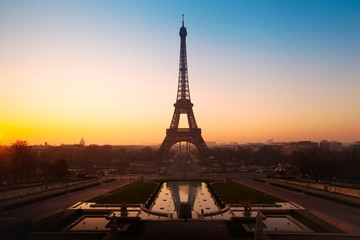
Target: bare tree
[{"x": 22, "y": 160}]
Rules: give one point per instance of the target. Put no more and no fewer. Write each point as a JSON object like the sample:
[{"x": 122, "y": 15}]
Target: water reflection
[
  {"x": 196, "y": 194},
  {"x": 91, "y": 224},
  {"x": 281, "y": 224}
]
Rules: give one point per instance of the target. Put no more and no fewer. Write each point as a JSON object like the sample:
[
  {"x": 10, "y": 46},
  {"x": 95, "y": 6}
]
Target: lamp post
[
  {"x": 2, "y": 203},
  {"x": 67, "y": 185},
  {"x": 307, "y": 183},
  {"x": 334, "y": 179},
  {"x": 307, "y": 187}
]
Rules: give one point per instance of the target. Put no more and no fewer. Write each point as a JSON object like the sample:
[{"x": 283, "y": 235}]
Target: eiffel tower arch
[{"x": 183, "y": 105}]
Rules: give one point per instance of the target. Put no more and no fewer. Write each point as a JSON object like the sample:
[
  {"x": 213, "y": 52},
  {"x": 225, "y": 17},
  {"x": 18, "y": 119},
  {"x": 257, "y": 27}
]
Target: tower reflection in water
[{"x": 194, "y": 194}]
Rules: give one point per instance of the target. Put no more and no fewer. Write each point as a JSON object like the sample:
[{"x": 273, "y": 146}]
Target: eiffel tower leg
[
  {"x": 165, "y": 146},
  {"x": 189, "y": 150},
  {"x": 201, "y": 145},
  {"x": 171, "y": 139}
]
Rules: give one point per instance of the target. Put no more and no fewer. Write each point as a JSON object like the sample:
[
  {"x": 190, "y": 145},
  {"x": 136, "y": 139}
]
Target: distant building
[
  {"x": 307, "y": 146},
  {"x": 277, "y": 145},
  {"x": 39, "y": 149},
  {"x": 82, "y": 142},
  {"x": 253, "y": 146},
  {"x": 330, "y": 146},
  {"x": 71, "y": 146},
  {"x": 302, "y": 146},
  {"x": 335, "y": 146},
  {"x": 356, "y": 146},
  {"x": 325, "y": 146}
]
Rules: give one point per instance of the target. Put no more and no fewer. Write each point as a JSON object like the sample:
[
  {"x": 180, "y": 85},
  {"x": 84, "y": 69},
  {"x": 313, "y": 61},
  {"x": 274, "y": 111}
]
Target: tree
[
  {"x": 22, "y": 160},
  {"x": 4, "y": 165},
  {"x": 147, "y": 154},
  {"x": 61, "y": 167},
  {"x": 58, "y": 169}
]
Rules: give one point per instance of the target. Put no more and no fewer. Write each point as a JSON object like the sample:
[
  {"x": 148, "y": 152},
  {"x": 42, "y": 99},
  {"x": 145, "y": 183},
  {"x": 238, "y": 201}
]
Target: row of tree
[
  {"x": 320, "y": 165},
  {"x": 316, "y": 164},
  {"x": 20, "y": 164}
]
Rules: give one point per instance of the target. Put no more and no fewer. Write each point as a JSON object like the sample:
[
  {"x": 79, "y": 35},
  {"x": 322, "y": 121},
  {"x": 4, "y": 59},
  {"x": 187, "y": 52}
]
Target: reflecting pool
[
  {"x": 91, "y": 224},
  {"x": 97, "y": 224},
  {"x": 196, "y": 194},
  {"x": 280, "y": 224}
]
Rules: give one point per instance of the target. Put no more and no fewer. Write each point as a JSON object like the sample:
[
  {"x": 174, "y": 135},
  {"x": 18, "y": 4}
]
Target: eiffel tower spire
[
  {"x": 183, "y": 85},
  {"x": 183, "y": 105}
]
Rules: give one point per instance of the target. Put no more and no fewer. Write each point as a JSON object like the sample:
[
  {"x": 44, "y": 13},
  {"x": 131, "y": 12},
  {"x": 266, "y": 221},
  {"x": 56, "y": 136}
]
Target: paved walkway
[
  {"x": 47, "y": 207},
  {"x": 328, "y": 194},
  {"x": 339, "y": 212}
]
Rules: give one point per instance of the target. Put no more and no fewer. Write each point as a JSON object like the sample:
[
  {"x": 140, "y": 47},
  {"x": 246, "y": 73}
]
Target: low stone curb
[{"x": 342, "y": 226}]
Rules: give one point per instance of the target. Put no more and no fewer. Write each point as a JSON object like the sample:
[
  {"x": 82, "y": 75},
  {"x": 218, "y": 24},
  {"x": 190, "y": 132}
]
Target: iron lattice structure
[{"x": 183, "y": 105}]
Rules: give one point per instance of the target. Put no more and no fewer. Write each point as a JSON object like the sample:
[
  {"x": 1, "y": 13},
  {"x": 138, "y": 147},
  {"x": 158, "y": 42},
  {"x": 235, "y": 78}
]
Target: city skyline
[{"x": 108, "y": 71}]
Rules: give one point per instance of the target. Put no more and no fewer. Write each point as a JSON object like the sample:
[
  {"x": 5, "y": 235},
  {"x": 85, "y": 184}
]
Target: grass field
[
  {"x": 137, "y": 192},
  {"x": 232, "y": 192}
]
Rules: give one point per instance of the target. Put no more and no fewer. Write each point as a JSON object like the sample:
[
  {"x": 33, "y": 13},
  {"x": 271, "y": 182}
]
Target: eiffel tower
[{"x": 183, "y": 105}]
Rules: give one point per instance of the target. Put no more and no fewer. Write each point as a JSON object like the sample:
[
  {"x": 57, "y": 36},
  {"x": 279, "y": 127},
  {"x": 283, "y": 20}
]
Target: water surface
[{"x": 196, "y": 194}]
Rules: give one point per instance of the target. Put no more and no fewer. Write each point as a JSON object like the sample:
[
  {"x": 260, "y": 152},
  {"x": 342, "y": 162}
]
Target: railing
[
  {"x": 217, "y": 198},
  {"x": 183, "y": 130},
  {"x": 153, "y": 196}
]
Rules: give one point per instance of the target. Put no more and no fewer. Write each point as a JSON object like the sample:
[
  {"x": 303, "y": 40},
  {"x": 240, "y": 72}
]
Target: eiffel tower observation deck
[{"x": 183, "y": 105}]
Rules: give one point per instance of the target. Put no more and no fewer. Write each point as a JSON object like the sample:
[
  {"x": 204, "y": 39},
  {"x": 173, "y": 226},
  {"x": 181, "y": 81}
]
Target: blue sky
[{"x": 287, "y": 70}]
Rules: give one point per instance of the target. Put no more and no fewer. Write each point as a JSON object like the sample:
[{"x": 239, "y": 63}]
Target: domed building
[{"x": 82, "y": 142}]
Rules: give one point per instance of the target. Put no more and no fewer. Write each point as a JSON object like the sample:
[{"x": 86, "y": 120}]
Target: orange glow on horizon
[{"x": 112, "y": 79}]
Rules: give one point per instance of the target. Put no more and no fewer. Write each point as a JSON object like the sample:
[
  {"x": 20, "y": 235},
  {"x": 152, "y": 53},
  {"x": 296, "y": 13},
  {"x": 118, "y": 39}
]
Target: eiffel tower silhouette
[{"x": 183, "y": 105}]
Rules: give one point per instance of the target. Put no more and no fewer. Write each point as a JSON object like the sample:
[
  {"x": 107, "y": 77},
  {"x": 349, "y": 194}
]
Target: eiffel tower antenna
[
  {"x": 183, "y": 85},
  {"x": 183, "y": 105}
]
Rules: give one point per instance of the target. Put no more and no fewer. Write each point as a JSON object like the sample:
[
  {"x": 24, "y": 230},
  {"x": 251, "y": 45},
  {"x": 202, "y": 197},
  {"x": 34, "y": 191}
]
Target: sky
[{"x": 108, "y": 70}]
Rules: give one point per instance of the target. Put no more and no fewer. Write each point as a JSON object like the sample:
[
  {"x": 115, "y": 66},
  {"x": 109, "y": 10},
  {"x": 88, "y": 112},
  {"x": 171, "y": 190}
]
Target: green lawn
[
  {"x": 232, "y": 192},
  {"x": 137, "y": 192}
]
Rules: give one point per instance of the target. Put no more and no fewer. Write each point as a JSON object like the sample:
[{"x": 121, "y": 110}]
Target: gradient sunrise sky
[{"x": 107, "y": 70}]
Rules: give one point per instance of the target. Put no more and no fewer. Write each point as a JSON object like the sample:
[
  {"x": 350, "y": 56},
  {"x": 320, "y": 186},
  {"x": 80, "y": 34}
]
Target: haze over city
[{"x": 285, "y": 70}]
